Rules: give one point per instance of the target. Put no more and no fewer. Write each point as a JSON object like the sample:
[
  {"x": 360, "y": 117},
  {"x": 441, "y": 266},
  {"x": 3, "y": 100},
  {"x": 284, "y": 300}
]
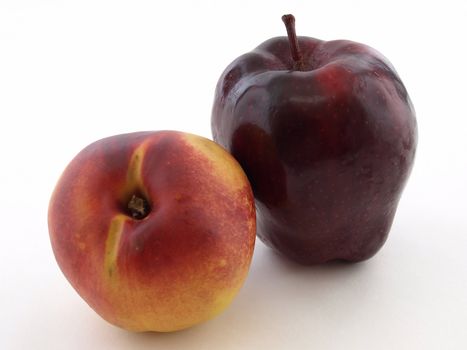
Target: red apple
[
  {"x": 154, "y": 230},
  {"x": 327, "y": 134}
]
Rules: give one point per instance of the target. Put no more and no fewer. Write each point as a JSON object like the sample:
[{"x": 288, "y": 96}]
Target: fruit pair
[{"x": 156, "y": 230}]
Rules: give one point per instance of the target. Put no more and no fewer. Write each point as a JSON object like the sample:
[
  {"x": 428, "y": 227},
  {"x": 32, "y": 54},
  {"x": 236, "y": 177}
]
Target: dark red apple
[{"x": 326, "y": 133}]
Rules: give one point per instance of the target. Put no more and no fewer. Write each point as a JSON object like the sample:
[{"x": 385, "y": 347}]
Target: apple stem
[
  {"x": 138, "y": 207},
  {"x": 289, "y": 21}
]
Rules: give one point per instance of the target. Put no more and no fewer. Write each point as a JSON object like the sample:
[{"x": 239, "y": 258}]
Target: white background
[{"x": 72, "y": 72}]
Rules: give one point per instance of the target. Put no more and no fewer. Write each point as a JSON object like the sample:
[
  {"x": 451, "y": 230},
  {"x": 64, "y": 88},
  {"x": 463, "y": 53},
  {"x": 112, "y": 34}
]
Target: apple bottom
[{"x": 313, "y": 240}]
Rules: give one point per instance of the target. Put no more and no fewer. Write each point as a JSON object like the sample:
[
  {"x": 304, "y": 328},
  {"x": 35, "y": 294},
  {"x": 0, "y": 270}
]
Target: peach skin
[{"x": 154, "y": 230}]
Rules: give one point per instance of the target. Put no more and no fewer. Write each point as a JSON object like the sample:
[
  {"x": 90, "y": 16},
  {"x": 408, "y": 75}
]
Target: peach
[{"x": 154, "y": 230}]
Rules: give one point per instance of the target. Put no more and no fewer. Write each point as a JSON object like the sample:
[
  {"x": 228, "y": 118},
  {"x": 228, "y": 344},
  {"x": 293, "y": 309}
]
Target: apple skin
[
  {"x": 181, "y": 264},
  {"x": 327, "y": 148}
]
